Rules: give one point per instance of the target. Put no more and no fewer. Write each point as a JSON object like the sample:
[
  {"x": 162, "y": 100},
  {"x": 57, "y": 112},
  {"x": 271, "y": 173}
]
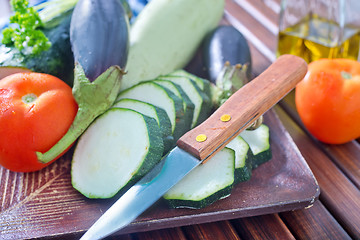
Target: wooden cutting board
[{"x": 44, "y": 204}]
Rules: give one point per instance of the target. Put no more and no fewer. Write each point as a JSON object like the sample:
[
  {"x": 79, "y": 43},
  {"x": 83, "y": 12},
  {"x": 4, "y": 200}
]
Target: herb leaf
[{"x": 23, "y": 32}]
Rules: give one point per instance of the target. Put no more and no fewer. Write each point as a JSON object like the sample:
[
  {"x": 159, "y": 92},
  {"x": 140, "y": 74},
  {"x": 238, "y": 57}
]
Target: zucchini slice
[
  {"x": 157, "y": 113},
  {"x": 159, "y": 96},
  {"x": 243, "y": 166},
  {"x": 206, "y": 184},
  {"x": 178, "y": 91},
  {"x": 118, "y": 147},
  {"x": 203, "y": 84},
  {"x": 259, "y": 142},
  {"x": 200, "y": 100}
]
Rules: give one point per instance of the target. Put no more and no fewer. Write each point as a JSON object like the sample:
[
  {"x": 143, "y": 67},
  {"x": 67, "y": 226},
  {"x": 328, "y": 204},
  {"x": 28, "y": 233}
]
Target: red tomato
[
  {"x": 328, "y": 100},
  {"x": 36, "y": 110}
]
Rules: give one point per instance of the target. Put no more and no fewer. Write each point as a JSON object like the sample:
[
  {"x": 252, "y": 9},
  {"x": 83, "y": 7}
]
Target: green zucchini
[
  {"x": 159, "y": 96},
  {"x": 119, "y": 147},
  {"x": 57, "y": 61},
  {"x": 206, "y": 184},
  {"x": 166, "y": 34},
  {"x": 179, "y": 92},
  {"x": 259, "y": 142},
  {"x": 243, "y": 166},
  {"x": 202, "y": 83},
  {"x": 200, "y": 100},
  {"x": 157, "y": 113}
]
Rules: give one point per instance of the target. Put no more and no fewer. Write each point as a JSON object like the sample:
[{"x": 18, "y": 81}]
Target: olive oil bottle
[{"x": 314, "y": 37}]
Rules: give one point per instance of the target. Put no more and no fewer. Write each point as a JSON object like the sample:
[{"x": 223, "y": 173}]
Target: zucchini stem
[{"x": 93, "y": 99}]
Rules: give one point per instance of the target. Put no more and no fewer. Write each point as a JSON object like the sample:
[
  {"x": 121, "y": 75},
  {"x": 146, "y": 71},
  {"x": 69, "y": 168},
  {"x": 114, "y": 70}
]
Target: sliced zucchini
[
  {"x": 259, "y": 142},
  {"x": 159, "y": 96},
  {"x": 178, "y": 91},
  {"x": 157, "y": 113},
  {"x": 243, "y": 168},
  {"x": 203, "y": 84},
  {"x": 206, "y": 184},
  {"x": 201, "y": 101},
  {"x": 119, "y": 146}
]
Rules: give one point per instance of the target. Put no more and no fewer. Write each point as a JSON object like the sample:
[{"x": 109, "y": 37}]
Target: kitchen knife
[{"x": 202, "y": 142}]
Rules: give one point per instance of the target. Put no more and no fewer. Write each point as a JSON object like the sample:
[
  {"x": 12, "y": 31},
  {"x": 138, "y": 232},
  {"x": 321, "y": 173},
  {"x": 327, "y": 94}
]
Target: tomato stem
[
  {"x": 29, "y": 98},
  {"x": 346, "y": 75},
  {"x": 93, "y": 99}
]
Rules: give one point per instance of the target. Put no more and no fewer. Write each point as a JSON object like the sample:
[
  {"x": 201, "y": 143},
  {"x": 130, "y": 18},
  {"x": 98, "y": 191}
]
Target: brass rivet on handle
[
  {"x": 201, "y": 138},
  {"x": 225, "y": 118}
]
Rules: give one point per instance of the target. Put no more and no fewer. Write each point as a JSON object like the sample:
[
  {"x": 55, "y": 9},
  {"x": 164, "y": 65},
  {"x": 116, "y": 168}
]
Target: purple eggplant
[
  {"x": 99, "y": 35},
  {"x": 225, "y": 46}
]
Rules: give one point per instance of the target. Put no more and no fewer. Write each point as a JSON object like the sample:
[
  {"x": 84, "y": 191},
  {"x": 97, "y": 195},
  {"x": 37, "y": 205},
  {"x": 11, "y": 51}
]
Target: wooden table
[{"x": 336, "y": 215}]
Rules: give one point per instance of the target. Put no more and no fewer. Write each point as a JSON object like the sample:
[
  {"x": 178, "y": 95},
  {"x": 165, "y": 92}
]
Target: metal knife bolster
[{"x": 244, "y": 107}]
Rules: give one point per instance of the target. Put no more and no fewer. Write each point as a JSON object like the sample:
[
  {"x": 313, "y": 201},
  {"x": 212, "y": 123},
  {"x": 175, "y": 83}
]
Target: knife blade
[{"x": 241, "y": 109}]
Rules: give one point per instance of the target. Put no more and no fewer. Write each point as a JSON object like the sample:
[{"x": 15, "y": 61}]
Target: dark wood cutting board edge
[{"x": 44, "y": 204}]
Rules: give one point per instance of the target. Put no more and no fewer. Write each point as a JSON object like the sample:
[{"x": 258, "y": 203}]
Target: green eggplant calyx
[
  {"x": 230, "y": 79},
  {"x": 93, "y": 99}
]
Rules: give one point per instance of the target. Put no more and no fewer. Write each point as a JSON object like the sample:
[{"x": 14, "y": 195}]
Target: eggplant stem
[
  {"x": 93, "y": 99},
  {"x": 230, "y": 79},
  {"x": 256, "y": 123}
]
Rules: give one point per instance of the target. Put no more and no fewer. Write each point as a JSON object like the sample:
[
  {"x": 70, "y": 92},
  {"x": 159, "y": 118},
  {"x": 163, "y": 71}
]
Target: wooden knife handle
[{"x": 244, "y": 106}]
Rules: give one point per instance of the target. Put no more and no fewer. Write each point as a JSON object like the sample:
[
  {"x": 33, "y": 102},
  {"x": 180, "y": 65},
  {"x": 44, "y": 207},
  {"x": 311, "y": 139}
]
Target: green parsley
[{"x": 22, "y": 32}]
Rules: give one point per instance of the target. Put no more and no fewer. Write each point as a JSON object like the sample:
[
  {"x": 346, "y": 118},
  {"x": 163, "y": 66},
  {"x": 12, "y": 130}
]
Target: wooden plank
[
  {"x": 216, "y": 230},
  {"x": 338, "y": 194},
  {"x": 255, "y": 31},
  {"x": 243, "y": 17},
  {"x": 274, "y": 5},
  {"x": 262, "y": 227},
  {"x": 79, "y": 235},
  {"x": 257, "y": 20},
  {"x": 118, "y": 237},
  {"x": 164, "y": 234},
  {"x": 347, "y": 157},
  {"x": 314, "y": 223},
  {"x": 262, "y": 12}
]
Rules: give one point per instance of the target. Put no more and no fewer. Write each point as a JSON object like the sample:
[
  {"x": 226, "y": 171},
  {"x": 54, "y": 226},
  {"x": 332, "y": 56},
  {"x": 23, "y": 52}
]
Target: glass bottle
[{"x": 314, "y": 29}]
